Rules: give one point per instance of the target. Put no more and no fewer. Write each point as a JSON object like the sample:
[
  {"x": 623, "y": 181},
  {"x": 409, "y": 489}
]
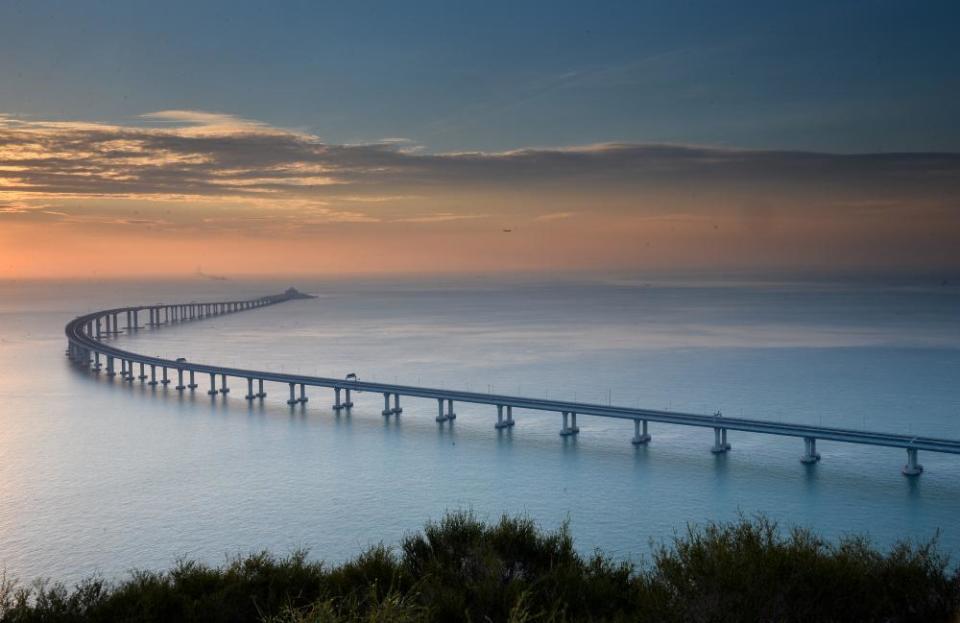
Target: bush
[{"x": 462, "y": 569}]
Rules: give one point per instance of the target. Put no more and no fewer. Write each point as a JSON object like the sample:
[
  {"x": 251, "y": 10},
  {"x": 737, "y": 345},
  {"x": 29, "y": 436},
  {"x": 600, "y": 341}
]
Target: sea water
[{"x": 101, "y": 476}]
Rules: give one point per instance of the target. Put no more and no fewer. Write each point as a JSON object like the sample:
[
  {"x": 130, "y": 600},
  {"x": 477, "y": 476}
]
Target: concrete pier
[
  {"x": 337, "y": 405},
  {"x": 912, "y": 468},
  {"x": 569, "y": 428},
  {"x": 293, "y": 397},
  {"x": 386, "y": 405},
  {"x": 223, "y": 384},
  {"x": 720, "y": 444},
  {"x": 810, "y": 454},
  {"x": 640, "y": 435},
  {"x": 213, "y": 385},
  {"x": 501, "y": 424}
]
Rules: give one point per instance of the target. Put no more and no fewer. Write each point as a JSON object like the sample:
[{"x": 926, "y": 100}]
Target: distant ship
[{"x": 204, "y": 275}]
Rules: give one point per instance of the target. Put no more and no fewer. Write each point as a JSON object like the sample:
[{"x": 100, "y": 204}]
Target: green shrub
[{"x": 462, "y": 569}]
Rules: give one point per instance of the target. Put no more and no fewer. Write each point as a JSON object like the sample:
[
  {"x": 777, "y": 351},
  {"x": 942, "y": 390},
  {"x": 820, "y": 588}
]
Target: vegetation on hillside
[{"x": 462, "y": 569}]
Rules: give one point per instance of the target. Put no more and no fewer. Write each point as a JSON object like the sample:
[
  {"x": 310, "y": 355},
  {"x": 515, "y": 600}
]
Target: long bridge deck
[{"x": 86, "y": 347}]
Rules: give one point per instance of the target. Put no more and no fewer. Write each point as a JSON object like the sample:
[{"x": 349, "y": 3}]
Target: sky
[{"x": 146, "y": 138}]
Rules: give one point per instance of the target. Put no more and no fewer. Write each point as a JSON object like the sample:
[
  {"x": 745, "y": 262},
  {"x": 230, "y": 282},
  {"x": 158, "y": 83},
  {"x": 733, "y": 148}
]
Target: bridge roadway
[{"x": 85, "y": 336}]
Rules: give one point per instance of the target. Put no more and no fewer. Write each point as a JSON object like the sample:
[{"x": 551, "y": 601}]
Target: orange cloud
[{"x": 240, "y": 196}]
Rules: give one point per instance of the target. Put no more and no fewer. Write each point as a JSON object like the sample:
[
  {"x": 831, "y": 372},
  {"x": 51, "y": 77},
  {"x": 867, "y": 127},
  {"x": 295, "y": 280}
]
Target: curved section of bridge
[{"x": 86, "y": 348}]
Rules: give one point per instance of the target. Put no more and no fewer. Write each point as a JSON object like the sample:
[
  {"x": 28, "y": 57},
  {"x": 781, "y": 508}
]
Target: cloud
[
  {"x": 202, "y": 123},
  {"x": 554, "y": 216},
  {"x": 221, "y": 161},
  {"x": 440, "y": 217}
]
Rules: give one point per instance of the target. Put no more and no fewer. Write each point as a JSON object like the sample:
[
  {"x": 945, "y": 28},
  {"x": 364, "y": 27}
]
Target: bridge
[{"x": 86, "y": 347}]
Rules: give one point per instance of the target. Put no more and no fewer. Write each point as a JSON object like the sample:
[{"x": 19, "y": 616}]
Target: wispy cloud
[
  {"x": 554, "y": 216},
  {"x": 222, "y": 161},
  {"x": 440, "y": 217},
  {"x": 202, "y": 123}
]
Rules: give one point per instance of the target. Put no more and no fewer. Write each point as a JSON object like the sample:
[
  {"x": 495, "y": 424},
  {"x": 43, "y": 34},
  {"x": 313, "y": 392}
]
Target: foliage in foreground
[{"x": 463, "y": 569}]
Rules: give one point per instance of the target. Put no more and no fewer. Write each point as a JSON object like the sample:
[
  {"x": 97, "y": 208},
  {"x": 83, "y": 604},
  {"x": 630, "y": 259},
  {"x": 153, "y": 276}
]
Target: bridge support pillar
[
  {"x": 250, "y": 395},
  {"x": 510, "y": 421},
  {"x": 810, "y": 454},
  {"x": 165, "y": 380},
  {"x": 96, "y": 362},
  {"x": 386, "y": 405},
  {"x": 303, "y": 394},
  {"x": 180, "y": 386},
  {"x": 192, "y": 385},
  {"x": 110, "y": 370},
  {"x": 153, "y": 376},
  {"x": 451, "y": 415},
  {"x": 213, "y": 385},
  {"x": 500, "y": 423},
  {"x": 569, "y": 429},
  {"x": 261, "y": 393},
  {"x": 348, "y": 402},
  {"x": 720, "y": 444},
  {"x": 142, "y": 377},
  {"x": 129, "y": 377},
  {"x": 123, "y": 369},
  {"x": 912, "y": 468},
  {"x": 440, "y": 416},
  {"x": 293, "y": 400},
  {"x": 640, "y": 435},
  {"x": 396, "y": 405},
  {"x": 337, "y": 405},
  {"x": 223, "y": 385}
]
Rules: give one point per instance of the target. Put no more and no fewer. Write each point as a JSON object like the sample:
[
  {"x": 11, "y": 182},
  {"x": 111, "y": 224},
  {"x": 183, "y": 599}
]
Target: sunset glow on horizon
[
  {"x": 639, "y": 154},
  {"x": 240, "y": 197}
]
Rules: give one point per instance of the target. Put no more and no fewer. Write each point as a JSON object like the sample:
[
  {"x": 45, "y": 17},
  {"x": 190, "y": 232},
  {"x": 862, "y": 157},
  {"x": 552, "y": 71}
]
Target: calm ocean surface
[{"x": 99, "y": 476}]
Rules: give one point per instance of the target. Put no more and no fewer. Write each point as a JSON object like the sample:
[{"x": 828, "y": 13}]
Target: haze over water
[{"x": 101, "y": 476}]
